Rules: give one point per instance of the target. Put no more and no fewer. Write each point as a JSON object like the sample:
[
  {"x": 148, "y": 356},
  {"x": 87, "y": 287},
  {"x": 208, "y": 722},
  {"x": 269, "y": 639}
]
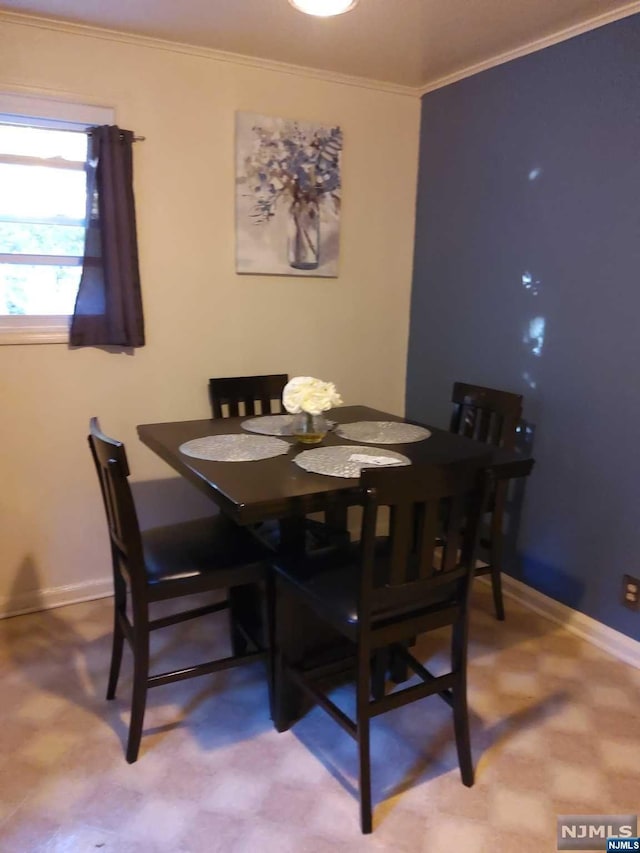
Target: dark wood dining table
[
  {"x": 249, "y": 492},
  {"x": 277, "y": 488}
]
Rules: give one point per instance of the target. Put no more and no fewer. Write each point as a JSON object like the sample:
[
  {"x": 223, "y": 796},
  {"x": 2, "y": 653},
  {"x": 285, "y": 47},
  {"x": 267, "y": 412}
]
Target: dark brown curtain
[{"x": 108, "y": 310}]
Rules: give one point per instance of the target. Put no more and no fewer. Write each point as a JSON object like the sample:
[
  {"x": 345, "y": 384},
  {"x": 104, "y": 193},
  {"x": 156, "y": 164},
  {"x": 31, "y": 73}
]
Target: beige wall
[{"x": 201, "y": 318}]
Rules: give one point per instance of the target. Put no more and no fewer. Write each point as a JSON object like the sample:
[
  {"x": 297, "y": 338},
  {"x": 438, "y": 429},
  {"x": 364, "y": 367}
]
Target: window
[{"x": 43, "y": 151}]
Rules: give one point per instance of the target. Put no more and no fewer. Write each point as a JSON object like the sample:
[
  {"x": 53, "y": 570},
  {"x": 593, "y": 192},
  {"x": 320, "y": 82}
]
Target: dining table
[
  {"x": 250, "y": 492},
  {"x": 276, "y": 488}
]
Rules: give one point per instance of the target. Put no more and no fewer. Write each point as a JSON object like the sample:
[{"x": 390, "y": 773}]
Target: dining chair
[
  {"x": 246, "y": 391},
  {"x": 207, "y": 555},
  {"x": 230, "y": 394},
  {"x": 490, "y": 416},
  {"x": 384, "y": 592}
]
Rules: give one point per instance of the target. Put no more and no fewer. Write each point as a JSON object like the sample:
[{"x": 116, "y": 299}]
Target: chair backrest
[
  {"x": 434, "y": 524},
  {"x": 110, "y": 459},
  {"x": 485, "y": 414},
  {"x": 233, "y": 391}
]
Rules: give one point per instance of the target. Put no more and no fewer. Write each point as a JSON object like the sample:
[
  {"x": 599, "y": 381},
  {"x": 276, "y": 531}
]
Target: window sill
[{"x": 33, "y": 329}]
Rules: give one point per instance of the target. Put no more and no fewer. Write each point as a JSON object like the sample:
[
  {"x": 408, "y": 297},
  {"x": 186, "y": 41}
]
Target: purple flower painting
[{"x": 287, "y": 196}]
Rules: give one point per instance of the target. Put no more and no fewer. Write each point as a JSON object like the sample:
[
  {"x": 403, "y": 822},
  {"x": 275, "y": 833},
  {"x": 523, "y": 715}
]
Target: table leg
[
  {"x": 245, "y": 608},
  {"x": 287, "y": 696},
  {"x": 398, "y": 670},
  {"x": 292, "y": 535}
]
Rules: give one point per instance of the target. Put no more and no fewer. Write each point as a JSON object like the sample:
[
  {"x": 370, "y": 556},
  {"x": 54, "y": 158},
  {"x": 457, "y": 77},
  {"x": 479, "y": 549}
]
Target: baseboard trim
[
  {"x": 613, "y": 642},
  {"x": 618, "y": 645},
  {"x": 58, "y": 596}
]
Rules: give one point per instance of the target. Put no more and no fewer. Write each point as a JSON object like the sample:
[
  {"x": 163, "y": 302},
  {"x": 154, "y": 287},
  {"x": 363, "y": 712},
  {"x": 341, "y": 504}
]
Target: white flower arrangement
[{"x": 310, "y": 395}]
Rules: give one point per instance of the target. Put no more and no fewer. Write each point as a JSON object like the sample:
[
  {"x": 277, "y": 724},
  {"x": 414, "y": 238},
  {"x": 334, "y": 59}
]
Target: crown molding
[
  {"x": 532, "y": 47},
  {"x": 38, "y": 22}
]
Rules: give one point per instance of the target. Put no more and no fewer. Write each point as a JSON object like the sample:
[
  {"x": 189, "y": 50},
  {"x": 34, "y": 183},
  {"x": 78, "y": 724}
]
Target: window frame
[{"x": 32, "y": 111}]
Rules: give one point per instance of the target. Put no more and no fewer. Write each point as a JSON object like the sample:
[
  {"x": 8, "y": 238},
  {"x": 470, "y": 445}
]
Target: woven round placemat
[
  {"x": 275, "y": 424},
  {"x": 347, "y": 460},
  {"x": 234, "y": 448},
  {"x": 270, "y": 424},
  {"x": 382, "y": 432}
]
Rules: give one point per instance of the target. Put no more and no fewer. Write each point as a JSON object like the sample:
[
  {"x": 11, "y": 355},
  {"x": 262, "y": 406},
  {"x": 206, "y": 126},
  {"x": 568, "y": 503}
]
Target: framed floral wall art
[{"x": 287, "y": 196}]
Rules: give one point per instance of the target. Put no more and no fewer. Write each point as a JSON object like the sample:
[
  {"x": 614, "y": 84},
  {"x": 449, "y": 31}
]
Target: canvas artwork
[{"x": 287, "y": 196}]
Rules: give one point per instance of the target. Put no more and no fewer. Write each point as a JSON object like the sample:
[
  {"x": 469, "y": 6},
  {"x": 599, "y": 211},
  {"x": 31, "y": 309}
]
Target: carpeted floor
[{"x": 555, "y": 730}]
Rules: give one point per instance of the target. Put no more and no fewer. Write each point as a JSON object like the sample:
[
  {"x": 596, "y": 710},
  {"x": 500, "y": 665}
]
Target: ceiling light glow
[{"x": 323, "y": 8}]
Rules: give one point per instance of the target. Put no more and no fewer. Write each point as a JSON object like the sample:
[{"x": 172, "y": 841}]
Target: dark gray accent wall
[{"x": 527, "y": 278}]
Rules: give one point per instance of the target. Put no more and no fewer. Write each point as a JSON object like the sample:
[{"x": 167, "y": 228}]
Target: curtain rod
[
  {"x": 135, "y": 138},
  {"x": 7, "y": 121}
]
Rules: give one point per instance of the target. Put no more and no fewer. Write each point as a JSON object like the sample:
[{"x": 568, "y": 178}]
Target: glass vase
[
  {"x": 310, "y": 429},
  {"x": 304, "y": 235}
]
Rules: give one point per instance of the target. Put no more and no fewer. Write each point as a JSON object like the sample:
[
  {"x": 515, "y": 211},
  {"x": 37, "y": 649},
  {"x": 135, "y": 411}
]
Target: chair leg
[
  {"x": 463, "y": 739},
  {"x": 495, "y": 554},
  {"x": 364, "y": 748},
  {"x": 116, "y": 656},
  {"x": 237, "y": 608},
  {"x": 281, "y": 622},
  {"x": 289, "y": 647},
  {"x": 281, "y": 720},
  {"x": 269, "y": 616},
  {"x": 460, "y": 705},
  {"x": 139, "y": 697},
  {"x": 496, "y": 587},
  {"x": 398, "y": 669},
  {"x": 379, "y": 665},
  {"x": 276, "y": 664}
]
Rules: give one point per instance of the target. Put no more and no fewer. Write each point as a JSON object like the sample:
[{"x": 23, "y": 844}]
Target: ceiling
[{"x": 411, "y": 43}]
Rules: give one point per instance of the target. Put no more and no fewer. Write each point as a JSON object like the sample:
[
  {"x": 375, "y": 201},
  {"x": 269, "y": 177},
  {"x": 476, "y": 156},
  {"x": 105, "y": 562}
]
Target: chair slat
[
  {"x": 496, "y": 429},
  {"x": 468, "y": 422},
  {"x": 401, "y": 543},
  {"x": 454, "y": 534},
  {"x": 483, "y": 425},
  {"x": 267, "y": 405},
  {"x": 428, "y": 539},
  {"x": 246, "y": 390}
]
